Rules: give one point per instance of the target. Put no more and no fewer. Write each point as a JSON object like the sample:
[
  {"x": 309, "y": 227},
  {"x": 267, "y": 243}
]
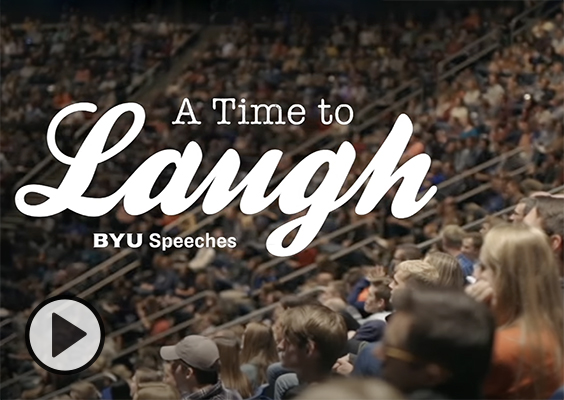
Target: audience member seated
[
  {"x": 519, "y": 281},
  {"x": 431, "y": 332},
  {"x": 313, "y": 337},
  {"x": 195, "y": 367}
]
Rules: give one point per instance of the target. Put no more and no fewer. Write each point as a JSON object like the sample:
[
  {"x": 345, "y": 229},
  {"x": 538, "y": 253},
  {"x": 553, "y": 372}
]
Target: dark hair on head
[
  {"x": 551, "y": 211},
  {"x": 445, "y": 327},
  {"x": 120, "y": 390},
  {"x": 206, "y": 377},
  {"x": 292, "y": 301},
  {"x": 383, "y": 292},
  {"x": 410, "y": 251},
  {"x": 477, "y": 239},
  {"x": 529, "y": 203},
  {"x": 353, "y": 275},
  {"x": 317, "y": 324}
]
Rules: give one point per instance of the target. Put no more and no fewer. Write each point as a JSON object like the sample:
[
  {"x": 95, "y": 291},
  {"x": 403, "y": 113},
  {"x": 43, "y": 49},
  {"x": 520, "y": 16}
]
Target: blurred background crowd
[{"x": 482, "y": 82}]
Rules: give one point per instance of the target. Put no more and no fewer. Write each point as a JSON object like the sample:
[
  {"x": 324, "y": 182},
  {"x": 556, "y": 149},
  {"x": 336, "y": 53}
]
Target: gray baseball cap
[{"x": 198, "y": 352}]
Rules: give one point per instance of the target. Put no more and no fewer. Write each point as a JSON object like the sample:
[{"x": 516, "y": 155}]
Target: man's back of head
[
  {"x": 438, "y": 340},
  {"x": 548, "y": 215},
  {"x": 313, "y": 338},
  {"x": 452, "y": 236},
  {"x": 414, "y": 274}
]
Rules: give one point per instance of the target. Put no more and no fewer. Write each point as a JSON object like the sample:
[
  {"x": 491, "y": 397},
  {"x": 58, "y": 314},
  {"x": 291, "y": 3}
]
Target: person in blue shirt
[{"x": 452, "y": 238}]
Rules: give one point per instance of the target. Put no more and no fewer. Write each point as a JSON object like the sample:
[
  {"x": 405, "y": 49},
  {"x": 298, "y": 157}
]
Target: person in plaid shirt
[{"x": 195, "y": 365}]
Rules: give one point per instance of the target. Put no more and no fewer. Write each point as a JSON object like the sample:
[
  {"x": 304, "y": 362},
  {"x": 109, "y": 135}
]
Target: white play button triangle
[{"x": 64, "y": 334}]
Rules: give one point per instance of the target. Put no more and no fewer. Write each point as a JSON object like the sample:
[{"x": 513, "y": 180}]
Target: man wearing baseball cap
[{"x": 195, "y": 365}]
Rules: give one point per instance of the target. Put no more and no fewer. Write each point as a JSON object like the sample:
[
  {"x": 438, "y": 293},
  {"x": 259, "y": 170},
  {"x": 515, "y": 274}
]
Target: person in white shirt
[
  {"x": 378, "y": 300},
  {"x": 495, "y": 91},
  {"x": 472, "y": 95}
]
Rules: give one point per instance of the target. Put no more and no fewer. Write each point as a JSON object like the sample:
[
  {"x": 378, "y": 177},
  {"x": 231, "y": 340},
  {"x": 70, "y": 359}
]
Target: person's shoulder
[
  {"x": 294, "y": 392},
  {"x": 507, "y": 345},
  {"x": 230, "y": 395}
]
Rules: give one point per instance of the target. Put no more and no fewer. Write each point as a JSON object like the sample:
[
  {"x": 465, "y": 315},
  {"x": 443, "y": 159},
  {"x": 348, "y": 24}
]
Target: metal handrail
[
  {"x": 526, "y": 13},
  {"x": 478, "y": 222},
  {"x": 8, "y": 339},
  {"x": 353, "y": 226},
  {"x": 161, "y": 313},
  {"x": 314, "y": 142},
  {"x": 440, "y": 73},
  {"x": 441, "y": 76},
  {"x": 366, "y": 109},
  {"x": 541, "y": 14},
  {"x": 248, "y": 317},
  {"x": 81, "y": 278},
  {"x": 390, "y": 95},
  {"x": 16, "y": 379},
  {"x": 399, "y": 103},
  {"x": 333, "y": 257},
  {"x": 339, "y": 232},
  {"x": 466, "y": 50},
  {"x": 67, "y": 389},
  {"x": 482, "y": 53},
  {"x": 481, "y": 167},
  {"x": 92, "y": 271},
  {"x": 465, "y": 196},
  {"x": 304, "y": 146},
  {"x": 375, "y": 238},
  {"x": 109, "y": 279}
]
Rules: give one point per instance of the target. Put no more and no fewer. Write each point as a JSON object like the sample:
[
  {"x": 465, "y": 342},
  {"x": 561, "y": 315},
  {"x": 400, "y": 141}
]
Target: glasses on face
[{"x": 385, "y": 351}]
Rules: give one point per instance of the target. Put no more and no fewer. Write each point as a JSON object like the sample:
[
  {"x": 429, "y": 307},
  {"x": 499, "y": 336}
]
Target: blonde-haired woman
[
  {"x": 450, "y": 271},
  {"x": 259, "y": 351},
  {"x": 518, "y": 278},
  {"x": 231, "y": 375}
]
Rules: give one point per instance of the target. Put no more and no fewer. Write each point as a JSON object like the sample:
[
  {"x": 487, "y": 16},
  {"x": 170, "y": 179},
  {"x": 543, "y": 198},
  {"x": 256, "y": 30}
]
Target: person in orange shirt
[
  {"x": 62, "y": 99},
  {"x": 414, "y": 148},
  {"x": 518, "y": 279}
]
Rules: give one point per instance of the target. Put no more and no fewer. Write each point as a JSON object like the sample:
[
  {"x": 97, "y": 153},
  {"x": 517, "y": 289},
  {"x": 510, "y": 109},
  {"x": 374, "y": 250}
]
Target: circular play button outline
[{"x": 28, "y": 338}]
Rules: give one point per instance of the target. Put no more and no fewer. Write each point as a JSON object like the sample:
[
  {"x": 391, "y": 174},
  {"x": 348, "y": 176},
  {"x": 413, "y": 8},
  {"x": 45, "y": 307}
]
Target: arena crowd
[{"x": 347, "y": 328}]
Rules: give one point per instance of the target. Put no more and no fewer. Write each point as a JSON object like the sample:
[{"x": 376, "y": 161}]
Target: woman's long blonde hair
[
  {"x": 231, "y": 375},
  {"x": 450, "y": 271},
  {"x": 259, "y": 348},
  {"x": 527, "y": 286}
]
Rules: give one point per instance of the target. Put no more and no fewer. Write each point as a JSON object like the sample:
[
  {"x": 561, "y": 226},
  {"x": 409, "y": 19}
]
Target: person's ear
[
  {"x": 381, "y": 304},
  {"x": 436, "y": 375},
  {"x": 556, "y": 242},
  {"x": 310, "y": 348},
  {"x": 189, "y": 373}
]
